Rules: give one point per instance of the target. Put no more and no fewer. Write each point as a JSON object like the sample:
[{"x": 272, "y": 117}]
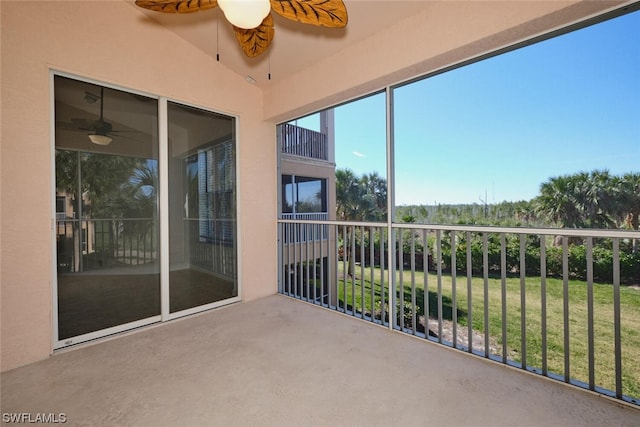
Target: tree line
[{"x": 596, "y": 199}]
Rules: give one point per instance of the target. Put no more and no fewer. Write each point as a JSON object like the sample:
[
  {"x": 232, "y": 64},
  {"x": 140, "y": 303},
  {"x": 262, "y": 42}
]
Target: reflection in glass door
[
  {"x": 106, "y": 172},
  {"x": 202, "y": 208}
]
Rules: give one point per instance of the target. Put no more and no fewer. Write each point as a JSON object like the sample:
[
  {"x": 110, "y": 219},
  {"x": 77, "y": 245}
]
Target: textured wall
[{"x": 111, "y": 42}]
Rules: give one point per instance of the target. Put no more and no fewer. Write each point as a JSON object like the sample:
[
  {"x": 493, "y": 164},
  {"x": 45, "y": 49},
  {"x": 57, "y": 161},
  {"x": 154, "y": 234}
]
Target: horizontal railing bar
[{"x": 569, "y": 232}]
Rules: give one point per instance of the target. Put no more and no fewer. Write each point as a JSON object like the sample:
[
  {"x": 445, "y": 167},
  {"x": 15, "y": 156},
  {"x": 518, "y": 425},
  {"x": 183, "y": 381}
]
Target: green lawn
[{"x": 578, "y": 329}]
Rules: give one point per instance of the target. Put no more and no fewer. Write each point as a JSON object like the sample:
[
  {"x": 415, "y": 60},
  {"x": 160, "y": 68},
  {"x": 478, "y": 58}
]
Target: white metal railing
[
  {"x": 550, "y": 301},
  {"x": 297, "y": 234},
  {"x": 309, "y": 216}
]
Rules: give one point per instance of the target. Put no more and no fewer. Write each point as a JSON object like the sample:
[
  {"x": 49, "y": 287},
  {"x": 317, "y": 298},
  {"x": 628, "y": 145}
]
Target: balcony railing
[
  {"x": 302, "y": 142},
  {"x": 560, "y": 303},
  {"x": 303, "y": 233}
]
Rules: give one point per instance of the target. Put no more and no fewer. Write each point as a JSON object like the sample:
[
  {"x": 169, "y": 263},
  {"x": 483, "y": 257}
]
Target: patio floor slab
[{"x": 281, "y": 362}]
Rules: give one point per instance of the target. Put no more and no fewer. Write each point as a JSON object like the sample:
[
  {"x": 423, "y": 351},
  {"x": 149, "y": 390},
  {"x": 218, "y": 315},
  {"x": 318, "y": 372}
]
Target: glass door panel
[
  {"x": 106, "y": 163},
  {"x": 202, "y": 207}
]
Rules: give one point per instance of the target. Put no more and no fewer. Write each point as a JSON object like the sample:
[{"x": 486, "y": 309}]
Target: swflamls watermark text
[{"x": 34, "y": 418}]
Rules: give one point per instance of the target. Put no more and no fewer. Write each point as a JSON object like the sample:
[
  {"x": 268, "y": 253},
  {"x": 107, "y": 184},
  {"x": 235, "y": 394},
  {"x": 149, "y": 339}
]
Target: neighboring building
[{"x": 308, "y": 192}]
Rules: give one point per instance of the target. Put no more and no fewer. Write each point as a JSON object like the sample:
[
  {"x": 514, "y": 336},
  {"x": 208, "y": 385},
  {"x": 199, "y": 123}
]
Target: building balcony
[
  {"x": 301, "y": 142},
  {"x": 279, "y": 361}
]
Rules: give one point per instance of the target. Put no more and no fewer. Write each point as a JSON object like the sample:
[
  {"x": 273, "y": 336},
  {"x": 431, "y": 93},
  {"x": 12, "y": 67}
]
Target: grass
[{"x": 603, "y": 297}]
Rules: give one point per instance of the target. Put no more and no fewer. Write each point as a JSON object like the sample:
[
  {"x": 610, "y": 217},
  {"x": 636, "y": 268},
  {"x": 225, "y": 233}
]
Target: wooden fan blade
[
  {"x": 256, "y": 40},
  {"x": 177, "y": 6},
  {"x": 326, "y": 13}
]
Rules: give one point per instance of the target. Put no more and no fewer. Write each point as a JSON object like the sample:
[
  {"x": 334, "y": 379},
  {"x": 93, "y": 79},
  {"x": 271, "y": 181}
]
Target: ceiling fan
[
  {"x": 101, "y": 131},
  {"x": 251, "y": 19}
]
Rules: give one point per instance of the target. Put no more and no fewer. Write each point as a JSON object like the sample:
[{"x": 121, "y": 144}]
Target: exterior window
[
  {"x": 61, "y": 208},
  {"x": 303, "y": 195}
]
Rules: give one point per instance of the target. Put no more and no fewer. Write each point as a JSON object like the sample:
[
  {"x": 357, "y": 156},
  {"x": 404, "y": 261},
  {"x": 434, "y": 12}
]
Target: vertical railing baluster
[
  {"x": 314, "y": 241},
  {"x": 321, "y": 258},
  {"x": 345, "y": 266},
  {"x": 543, "y": 301},
  {"x": 454, "y": 302},
  {"x": 503, "y": 282},
  {"x": 284, "y": 246},
  {"x": 485, "y": 279},
  {"x": 301, "y": 261},
  {"x": 284, "y": 257},
  {"x": 565, "y": 307},
  {"x": 372, "y": 271},
  {"x": 400, "y": 294},
  {"x": 280, "y": 255},
  {"x": 362, "y": 305},
  {"x": 392, "y": 296},
  {"x": 413, "y": 284},
  {"x": 590, "y": 330},
  {"x": 352, "y": 269},
  {"x": 306, "y": 260},
  {"x": 382, "y": 281},
  {"x": 336, "y": 253},
  {"x": 523, "y": 302},
  {"x": 425, "y": 281},
  {"x": 469, "y": 295},
  {"x": 617, "y": 315},
  {"x": 290, "y": 255},
  {"x": 439, "y": 269},
  {"x": 286, "y": 278},
  {"x": 296, "y": 228}
]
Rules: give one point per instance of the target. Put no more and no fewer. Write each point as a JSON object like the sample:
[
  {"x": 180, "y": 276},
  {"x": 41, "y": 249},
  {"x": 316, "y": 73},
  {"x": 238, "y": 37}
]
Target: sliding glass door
[
  {"x": 108, "y": 175},
  {"x": 107, "y": 241},
  {"x": 202, "y": 209}
]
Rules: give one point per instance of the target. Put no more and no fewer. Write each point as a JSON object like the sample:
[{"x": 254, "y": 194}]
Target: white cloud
[{"x": 358, "y": 154}]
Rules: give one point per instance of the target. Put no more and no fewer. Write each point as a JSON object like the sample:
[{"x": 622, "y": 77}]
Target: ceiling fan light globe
[
  {"x": 100, "y": 139},
  {"x": 245, "y": 14}
]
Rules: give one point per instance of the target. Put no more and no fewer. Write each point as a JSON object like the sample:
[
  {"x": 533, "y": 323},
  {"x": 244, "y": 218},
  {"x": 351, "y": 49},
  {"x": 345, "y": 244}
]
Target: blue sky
[{"x": 501, "y": 127}]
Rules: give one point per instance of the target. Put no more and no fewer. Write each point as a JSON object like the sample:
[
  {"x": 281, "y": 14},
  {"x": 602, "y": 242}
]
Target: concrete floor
[{"x": 281, "y": 362}]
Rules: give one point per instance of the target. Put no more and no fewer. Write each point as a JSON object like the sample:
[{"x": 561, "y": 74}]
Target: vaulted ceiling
[{"x": 295, "y": 46}]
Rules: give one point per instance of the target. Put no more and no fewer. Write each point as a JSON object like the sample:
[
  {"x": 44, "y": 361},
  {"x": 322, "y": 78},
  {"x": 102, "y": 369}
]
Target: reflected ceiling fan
[
  {"x": 102, "y": 132},
  {"x": 251, "y": 19}
]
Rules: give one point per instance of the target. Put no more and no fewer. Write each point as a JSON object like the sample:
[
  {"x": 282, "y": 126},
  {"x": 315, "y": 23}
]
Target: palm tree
[
  {"x": 601, "y": 204},
  {"x": 347, "y": 195},
  {"x": 375, "y": 188},
  {"x": 359, "y": 199},
  {"x": 524, "y": 211},
  {"x": 559, "y": 202},
  {"x": 630, "y": 184}
]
